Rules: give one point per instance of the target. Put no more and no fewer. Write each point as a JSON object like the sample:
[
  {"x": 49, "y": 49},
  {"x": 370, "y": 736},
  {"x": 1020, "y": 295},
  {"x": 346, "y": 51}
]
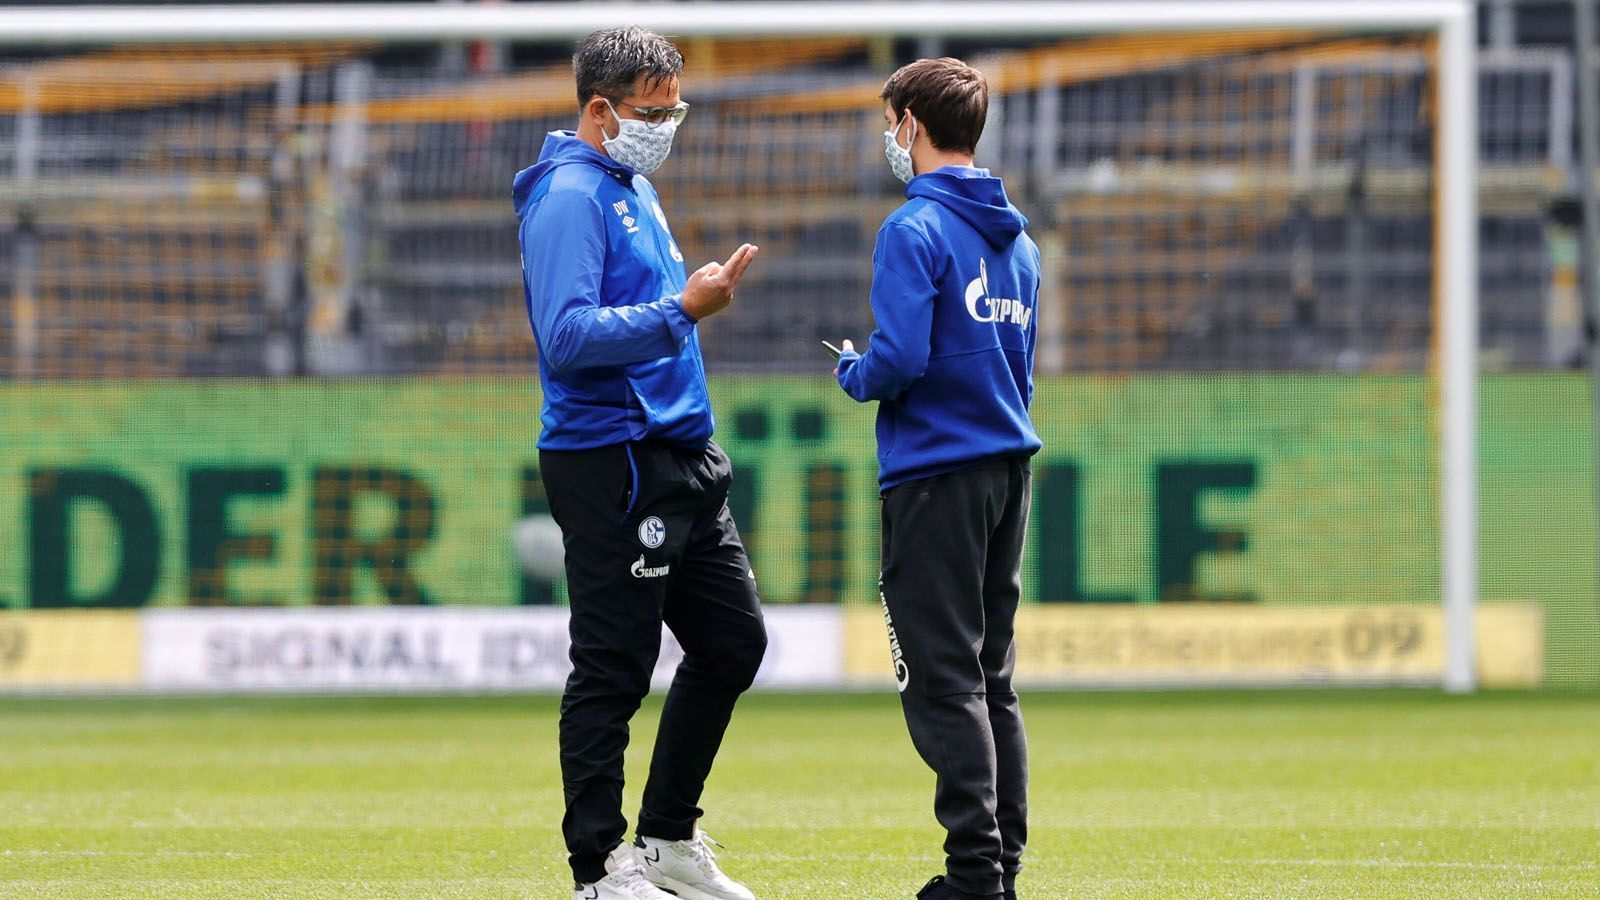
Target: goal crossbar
[{"x": 435, "y": 21}]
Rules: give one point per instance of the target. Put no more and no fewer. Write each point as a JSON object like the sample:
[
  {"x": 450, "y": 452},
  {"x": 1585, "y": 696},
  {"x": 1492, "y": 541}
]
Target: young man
[
  {"x": 954, "y": 287},
  {"x": 633, "y": 479}
]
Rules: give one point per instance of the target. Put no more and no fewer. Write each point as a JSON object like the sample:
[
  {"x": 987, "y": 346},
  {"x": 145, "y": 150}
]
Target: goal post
[{"x": 1451, "y": 23}]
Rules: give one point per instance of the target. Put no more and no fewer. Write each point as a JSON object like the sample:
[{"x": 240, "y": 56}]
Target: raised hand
[{"x": 710, "y": 288}]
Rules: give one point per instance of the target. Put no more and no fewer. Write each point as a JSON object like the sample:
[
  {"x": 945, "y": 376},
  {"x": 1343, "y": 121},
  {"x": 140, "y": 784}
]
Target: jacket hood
[
  {"x": 976, "y": 196},
  {"x": 561, "y": 148}
]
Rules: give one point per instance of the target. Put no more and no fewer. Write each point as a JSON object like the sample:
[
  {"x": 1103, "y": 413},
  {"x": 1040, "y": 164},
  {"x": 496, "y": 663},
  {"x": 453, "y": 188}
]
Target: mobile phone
[{"x": 832, "y": 349}]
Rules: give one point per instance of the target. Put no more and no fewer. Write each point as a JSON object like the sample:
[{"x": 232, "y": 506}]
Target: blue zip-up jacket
[
  {"x": 602, "y": 277},
  {"x": 955, "y": 284}
]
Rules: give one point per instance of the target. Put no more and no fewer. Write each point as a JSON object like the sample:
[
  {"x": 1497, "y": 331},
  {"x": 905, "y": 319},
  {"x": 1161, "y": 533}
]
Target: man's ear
[{"x": 596, "y": 109}]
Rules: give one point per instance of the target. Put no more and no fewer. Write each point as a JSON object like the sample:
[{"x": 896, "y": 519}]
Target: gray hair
[{"x": 609, "y": 62}]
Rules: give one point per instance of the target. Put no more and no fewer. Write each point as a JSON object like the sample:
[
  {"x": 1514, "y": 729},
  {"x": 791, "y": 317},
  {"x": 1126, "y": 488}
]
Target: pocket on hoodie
[{"x": 886, "y": 440}]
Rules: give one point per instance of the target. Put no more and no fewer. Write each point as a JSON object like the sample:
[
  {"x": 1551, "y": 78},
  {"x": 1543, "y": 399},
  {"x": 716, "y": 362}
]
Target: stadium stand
[{"x": 1207, "y": 203}]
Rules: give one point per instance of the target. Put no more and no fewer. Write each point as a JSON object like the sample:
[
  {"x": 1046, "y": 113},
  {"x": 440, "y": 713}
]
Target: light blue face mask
[{"x": 900, "y": 157}]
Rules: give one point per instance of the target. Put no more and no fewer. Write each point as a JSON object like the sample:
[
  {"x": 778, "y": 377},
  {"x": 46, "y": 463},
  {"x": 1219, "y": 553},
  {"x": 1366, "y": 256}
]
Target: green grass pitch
[{"x": 1376, "y": 794}]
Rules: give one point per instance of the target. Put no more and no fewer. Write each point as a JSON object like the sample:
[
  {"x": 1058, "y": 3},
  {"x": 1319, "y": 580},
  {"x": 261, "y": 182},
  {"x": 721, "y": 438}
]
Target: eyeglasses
[{"x": 656, "y": 115}]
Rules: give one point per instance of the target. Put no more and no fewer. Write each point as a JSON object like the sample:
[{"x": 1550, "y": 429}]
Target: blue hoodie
[
  {"x": 955, "y": 284},
  {"x": 602, "y": 277}
]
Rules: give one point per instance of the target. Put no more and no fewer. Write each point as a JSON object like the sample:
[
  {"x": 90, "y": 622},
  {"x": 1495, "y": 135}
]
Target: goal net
[{"x": 267, "y": 381}]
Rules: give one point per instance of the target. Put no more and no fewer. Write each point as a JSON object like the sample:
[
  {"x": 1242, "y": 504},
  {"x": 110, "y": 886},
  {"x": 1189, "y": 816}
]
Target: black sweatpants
[
  {"x": 648, "y": 540},
  {"x": 952, "y": 560}
]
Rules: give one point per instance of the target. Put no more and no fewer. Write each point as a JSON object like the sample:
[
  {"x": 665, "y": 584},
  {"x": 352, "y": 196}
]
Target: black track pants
[
  {"x": 648, "y": 539},
  {"x": 952, "y": 558}
]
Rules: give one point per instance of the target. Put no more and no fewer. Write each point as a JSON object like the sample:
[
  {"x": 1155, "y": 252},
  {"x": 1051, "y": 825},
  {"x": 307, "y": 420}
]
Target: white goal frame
[{"x": 1453, "y": 21}]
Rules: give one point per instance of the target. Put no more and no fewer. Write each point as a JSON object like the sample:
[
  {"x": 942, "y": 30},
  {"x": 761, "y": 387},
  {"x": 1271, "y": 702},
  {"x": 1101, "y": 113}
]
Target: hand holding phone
[{"x": 837, "y": 352}]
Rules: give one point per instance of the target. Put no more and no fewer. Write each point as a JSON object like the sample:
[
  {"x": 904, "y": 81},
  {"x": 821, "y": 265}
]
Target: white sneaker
[
  {"x": 688, "y": 869},
  {"x": 626, "y": 881}
]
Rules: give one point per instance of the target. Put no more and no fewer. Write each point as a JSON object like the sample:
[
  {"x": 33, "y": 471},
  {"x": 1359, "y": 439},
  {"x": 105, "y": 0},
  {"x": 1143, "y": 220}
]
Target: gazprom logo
[
  {"x": 985, "y": 308},
  {"x": 640, "y": 570}
]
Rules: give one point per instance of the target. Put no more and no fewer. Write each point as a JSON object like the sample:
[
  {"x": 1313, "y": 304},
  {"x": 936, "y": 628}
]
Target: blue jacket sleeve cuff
[
  {"x": 679, "y": 322},
  {"x": 847, "y": 362}
]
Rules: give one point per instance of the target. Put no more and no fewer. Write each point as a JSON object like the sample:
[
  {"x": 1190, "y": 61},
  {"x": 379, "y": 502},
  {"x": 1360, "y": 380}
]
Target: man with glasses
[{"x": 633, "y": 478}]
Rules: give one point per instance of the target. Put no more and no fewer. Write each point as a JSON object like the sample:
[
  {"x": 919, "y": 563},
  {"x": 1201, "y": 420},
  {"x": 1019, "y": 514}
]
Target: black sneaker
[{"x": 937, "y": 889}]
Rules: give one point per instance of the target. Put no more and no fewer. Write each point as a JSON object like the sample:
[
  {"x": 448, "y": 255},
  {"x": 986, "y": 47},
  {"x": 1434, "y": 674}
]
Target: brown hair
[{"x": 949, "y": 98}]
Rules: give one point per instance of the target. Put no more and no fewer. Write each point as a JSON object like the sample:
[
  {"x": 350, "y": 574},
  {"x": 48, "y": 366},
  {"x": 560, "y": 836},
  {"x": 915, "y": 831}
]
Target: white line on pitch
[{"x": 1417, "y": 864}]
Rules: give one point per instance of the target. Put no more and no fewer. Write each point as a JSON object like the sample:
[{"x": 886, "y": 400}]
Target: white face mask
[
  {"x": 899, "y": 157},
  {"x": 637, "y": 145}
]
